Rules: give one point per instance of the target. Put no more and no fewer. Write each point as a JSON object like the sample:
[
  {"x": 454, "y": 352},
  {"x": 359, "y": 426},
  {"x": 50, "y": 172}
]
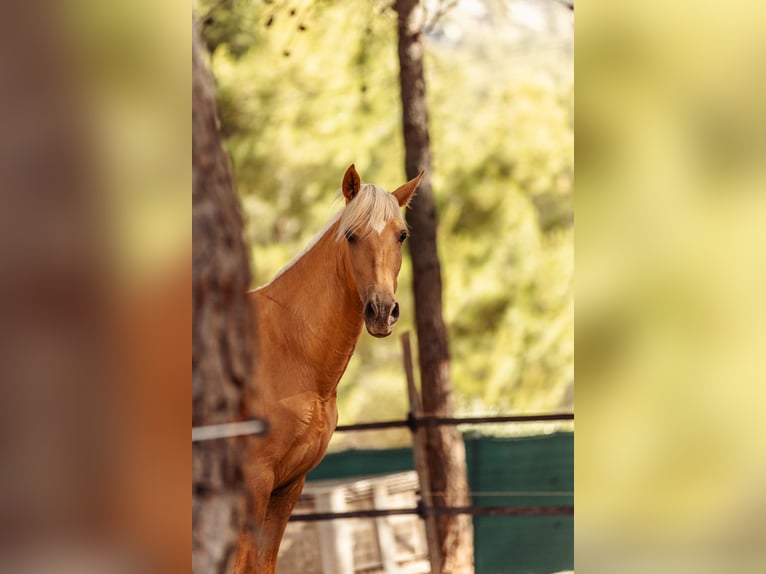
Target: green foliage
[{"x": 305, "y": 89}]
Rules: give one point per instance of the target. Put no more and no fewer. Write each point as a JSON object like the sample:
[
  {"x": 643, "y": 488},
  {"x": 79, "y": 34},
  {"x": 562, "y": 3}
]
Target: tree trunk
[
  {"x": 445, "y": 449},
  {"x": 222, "y": 334}
]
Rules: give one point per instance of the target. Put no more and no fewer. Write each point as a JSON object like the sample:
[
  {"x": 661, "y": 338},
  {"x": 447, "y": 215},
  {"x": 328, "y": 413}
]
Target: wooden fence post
[{"x": 419, "y": 454}]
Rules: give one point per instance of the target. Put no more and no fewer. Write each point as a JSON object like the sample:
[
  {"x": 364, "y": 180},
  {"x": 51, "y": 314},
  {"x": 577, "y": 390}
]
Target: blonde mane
[{"x": 371, "y": 210}]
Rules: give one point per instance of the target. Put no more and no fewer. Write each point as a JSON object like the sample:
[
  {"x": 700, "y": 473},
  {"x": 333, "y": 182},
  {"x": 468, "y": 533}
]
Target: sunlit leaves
[{"x": 502, "y": 140}]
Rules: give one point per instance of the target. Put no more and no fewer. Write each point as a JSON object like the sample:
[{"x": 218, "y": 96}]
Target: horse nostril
[
  {"x": 369, "y": 311},
  {"x": 395, "y": 311}
]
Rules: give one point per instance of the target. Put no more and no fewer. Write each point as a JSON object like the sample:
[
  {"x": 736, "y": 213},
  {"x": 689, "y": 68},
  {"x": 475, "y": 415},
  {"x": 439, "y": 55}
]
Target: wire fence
[
  {"x": 255, "y": 427},
  {"x": 413, "y": 423},
  {"x": 259, "y": 427},
  {"x": 424, "y": 511}
]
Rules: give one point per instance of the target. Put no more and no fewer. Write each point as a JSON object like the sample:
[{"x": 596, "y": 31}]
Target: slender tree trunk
[
  {"x": 222, "y": 335},
  {"x": 445, "y": 448}
]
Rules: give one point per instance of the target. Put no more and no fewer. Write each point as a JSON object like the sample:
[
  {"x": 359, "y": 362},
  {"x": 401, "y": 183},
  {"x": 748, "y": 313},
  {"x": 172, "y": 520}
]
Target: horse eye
[
  {"x": 350, "y": 237},
  {"x": 402, "y": 236}
]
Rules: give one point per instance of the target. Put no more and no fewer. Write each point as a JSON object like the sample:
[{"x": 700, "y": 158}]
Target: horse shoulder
[{"x": 302, "y": 426}]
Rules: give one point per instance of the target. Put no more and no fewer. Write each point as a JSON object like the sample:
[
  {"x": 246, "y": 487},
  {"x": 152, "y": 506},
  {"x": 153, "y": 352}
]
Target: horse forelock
[{"x": 369, "y": 212}]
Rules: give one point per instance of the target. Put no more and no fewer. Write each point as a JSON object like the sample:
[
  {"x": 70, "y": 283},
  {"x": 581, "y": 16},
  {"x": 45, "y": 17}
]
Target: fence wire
[
  {"x": 260, "y": 427},
  {"x": 423, "y": 511}
]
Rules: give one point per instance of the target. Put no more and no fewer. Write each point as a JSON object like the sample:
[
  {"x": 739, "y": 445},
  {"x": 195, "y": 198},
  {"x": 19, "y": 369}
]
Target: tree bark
[
  {"x": 445, "y": 450},
  {"x": 222, "y": 334}
]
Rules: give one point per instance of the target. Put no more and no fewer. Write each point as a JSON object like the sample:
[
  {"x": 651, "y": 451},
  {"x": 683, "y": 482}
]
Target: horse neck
[{"x": 321, "y": 309}]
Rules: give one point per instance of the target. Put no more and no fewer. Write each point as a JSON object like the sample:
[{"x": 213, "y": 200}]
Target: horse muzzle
[{"x": 380, "y": 316}]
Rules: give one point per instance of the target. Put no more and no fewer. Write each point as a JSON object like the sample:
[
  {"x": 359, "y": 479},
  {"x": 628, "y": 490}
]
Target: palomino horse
[{"x": 309, "y": 320}]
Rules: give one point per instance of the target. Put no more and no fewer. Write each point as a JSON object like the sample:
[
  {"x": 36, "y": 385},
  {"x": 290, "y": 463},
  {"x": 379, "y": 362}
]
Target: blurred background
[
  {"x": 671, "y": 275},
  {"x": 670, "y": 461},
  {"x": 94, "y": 297}
]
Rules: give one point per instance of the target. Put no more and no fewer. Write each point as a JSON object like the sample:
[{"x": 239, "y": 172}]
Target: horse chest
[{"x": 306, "y": 432}]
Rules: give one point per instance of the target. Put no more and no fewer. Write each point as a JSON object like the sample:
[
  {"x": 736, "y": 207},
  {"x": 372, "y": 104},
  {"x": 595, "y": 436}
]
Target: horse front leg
[
  {"x": 269, "y": 537},
  {"x": 247, "y": 550}
]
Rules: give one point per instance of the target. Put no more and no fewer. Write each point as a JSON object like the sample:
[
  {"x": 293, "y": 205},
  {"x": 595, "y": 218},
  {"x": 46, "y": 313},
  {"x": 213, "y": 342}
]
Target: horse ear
[
  {"x": 405, "y": 193},
  {"x": 352, "y": 183}
]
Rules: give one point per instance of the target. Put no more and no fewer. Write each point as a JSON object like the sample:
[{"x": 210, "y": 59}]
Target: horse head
[{"x": 373, "y": 230}]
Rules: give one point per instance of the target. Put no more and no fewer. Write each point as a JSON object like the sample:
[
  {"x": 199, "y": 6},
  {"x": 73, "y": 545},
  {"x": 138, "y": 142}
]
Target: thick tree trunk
[
  {"x": 445, "y": 447},
  {"x": 222, "y": 335}
]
